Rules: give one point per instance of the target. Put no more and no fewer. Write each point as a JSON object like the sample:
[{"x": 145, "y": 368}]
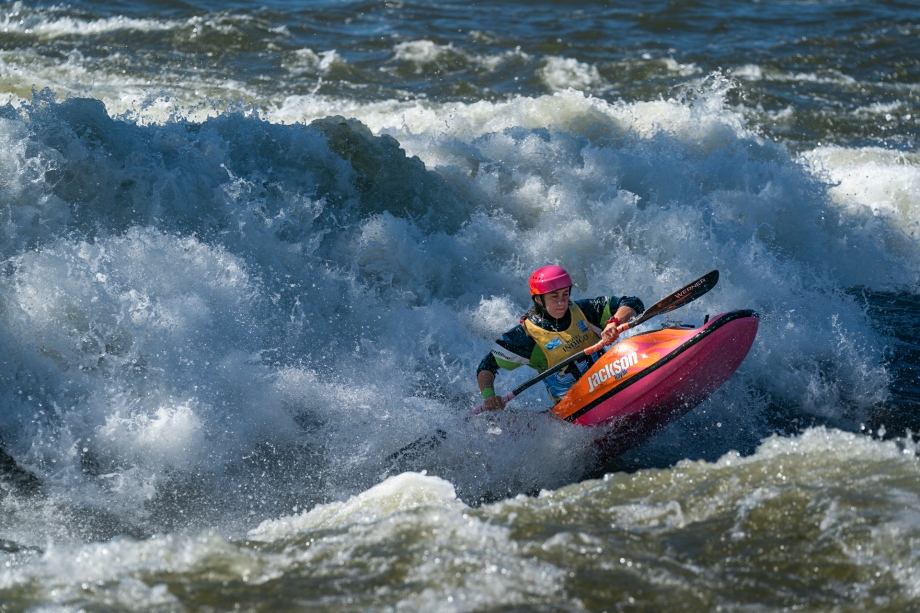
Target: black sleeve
[
  {"x": 488, "y": 363},
  {"x": 594, "y": 308},
  {"x": 517, "y": 341},
  {"x": 631, "y": 301}
]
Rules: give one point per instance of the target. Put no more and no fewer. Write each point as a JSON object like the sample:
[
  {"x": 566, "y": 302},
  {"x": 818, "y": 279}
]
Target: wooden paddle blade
[{"x": 681, "y": 297}]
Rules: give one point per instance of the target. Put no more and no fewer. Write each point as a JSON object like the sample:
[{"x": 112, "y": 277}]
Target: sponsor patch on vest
[
  {"x": 615, "y": 370},
  {"x": 582, "y": 325},
  {"x": 554, "y": 343},
  {"x": 575, "y": 342}
]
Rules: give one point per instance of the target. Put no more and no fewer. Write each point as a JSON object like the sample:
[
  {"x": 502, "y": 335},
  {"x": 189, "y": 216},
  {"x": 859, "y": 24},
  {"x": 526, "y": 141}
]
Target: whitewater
[{"x": 231, "y": 289}]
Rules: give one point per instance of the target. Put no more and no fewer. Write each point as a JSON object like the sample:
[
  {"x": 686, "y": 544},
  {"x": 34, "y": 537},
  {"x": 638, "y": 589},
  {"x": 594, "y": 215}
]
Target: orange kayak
[{"x": 647, "y": 380}]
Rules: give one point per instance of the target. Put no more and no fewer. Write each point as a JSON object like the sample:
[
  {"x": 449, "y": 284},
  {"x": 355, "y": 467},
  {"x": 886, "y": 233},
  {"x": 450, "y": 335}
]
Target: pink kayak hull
[{"x": 646, "y": 381}]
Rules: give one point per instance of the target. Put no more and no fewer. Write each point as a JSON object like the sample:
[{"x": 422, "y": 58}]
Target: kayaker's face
[{"x": 557, "y": 303}]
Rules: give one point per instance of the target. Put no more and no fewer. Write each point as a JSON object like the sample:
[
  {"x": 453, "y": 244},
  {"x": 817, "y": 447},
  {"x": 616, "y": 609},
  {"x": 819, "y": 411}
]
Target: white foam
[
  {"x": 467, "y": 562},
  {"x": 425, "y": 54},
  {"x": 304, "y": 61},
  {"x": 400, "y": 494},
  {"x": 684, "y": 70},
  {"x": 109, "y": 572},
  {"x": 169, "y": 95},
  {"x": 47, "y": 25},
  {"x": 173, "y": 433},
  {"x": 749, "y": 72},
  {"x": 421, "y": 52},
  {"x": 128, "y": 339},
  {"x": 823, "y": 447},
  {"x": 493, "y": 316},
  {"x": 889, "y": 110},
  {"x": 881, "y": 181},
  {"x": 830, "y": 76},
  {"x": 562, "y": 73}
]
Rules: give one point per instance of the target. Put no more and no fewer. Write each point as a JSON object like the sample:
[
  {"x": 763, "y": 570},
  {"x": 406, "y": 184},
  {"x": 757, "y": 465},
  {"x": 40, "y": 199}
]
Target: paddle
[
  {"x": 399, "y": 460},
  {"x": 679, "y": 298}
]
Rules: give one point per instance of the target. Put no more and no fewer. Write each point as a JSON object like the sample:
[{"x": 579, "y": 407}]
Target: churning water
[{"x": 250, "y": 250}]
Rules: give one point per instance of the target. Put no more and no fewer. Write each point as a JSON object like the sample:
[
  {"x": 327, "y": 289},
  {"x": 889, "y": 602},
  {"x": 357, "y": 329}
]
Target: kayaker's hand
[
  {"x": 493, "y": 403},
  {"x": 610, "y": 334}
]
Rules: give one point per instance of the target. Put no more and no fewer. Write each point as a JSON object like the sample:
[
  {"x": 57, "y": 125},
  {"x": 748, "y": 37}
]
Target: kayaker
[{"x": 552, "y": 330}]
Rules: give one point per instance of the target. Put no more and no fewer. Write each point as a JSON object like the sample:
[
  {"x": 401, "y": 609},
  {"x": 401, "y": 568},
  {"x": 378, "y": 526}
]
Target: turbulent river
[{"x": 250, "y": 250}]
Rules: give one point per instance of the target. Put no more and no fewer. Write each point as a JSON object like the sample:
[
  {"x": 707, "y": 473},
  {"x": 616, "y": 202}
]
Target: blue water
[{"x": 248, "y": 251}]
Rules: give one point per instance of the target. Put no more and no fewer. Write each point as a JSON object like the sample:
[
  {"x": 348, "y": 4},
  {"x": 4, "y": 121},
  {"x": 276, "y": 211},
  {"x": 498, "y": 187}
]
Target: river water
[{"x": 250, "y": 250}]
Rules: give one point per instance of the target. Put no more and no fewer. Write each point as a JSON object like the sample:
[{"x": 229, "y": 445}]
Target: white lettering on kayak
[{"x": 614, "y": 370}]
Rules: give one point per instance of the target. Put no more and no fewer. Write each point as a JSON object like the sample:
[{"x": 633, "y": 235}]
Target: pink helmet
[{"x": 549, "y": 279}]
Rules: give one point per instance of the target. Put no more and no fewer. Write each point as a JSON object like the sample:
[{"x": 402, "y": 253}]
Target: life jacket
[{"x": 557, "y": 346}]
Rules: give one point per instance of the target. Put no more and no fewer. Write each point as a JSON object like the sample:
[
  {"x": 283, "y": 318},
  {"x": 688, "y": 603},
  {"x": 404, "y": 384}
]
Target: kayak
[{"x": 645, "y": 381}]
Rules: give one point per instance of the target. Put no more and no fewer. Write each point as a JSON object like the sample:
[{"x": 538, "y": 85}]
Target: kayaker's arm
[
  {"x": 507, "y": 353},
  {"x": 600, "y": 310},
  {"x": 622, "y": 315},
  {"x": 486, "y": 380}
]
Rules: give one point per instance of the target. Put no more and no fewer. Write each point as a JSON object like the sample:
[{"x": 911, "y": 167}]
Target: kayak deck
[{"x": 645, "y": 381}]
